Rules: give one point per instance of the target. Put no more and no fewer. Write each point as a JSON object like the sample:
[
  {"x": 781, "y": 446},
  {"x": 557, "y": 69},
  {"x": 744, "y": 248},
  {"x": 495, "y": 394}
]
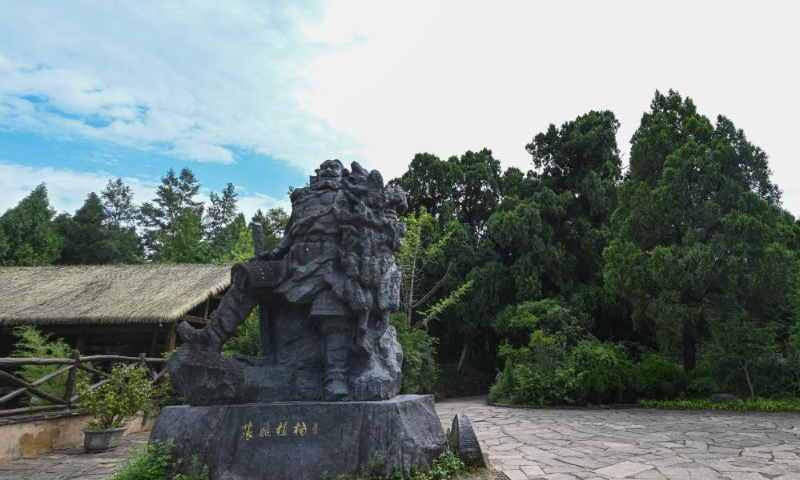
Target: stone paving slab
[
  {"x": 605, "y": 444},
  {"x": 72, "y": 464}
]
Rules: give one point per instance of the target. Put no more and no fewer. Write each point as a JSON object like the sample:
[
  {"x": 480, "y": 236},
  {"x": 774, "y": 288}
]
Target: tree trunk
[
  {"x": 463, "y": 359},
  {"x": 747, "y": 377},
  {"x": 689, "y": 346}
]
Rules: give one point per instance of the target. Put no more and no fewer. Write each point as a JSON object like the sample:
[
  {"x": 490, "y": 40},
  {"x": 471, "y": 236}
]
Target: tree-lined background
[{"x": 579, "y": 281}]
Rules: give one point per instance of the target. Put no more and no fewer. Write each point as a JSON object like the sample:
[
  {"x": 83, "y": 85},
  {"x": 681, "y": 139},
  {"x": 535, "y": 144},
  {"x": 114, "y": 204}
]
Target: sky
[{"x": 259, "y": 93}]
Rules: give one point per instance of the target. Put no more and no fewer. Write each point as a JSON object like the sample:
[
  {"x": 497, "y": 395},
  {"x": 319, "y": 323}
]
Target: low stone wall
[{"x": 41, "y": 434}]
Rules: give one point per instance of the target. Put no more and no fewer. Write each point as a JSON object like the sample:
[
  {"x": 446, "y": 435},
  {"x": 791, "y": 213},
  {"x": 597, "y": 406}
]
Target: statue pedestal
[{"x": 303, "y": 440}]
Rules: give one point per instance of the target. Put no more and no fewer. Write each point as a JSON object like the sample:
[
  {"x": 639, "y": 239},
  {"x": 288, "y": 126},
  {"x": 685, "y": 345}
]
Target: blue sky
[{"x": 259, "y": 93}]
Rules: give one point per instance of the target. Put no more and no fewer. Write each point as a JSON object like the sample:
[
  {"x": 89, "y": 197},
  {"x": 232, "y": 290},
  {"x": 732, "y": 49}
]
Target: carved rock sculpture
[{"x": 326, "y": 293}]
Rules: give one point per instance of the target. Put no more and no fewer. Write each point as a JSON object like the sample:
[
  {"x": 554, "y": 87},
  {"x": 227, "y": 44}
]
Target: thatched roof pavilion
[{"x": 110, "y": 303}]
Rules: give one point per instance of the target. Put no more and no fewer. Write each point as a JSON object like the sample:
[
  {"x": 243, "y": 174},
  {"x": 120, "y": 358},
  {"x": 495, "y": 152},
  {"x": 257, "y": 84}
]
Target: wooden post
[
  {"x": 170, "y": 345},
  {"x": 151, "y": 352},
  {"x": 80, "y": 343},
  {"x": 72, "y": 376}
]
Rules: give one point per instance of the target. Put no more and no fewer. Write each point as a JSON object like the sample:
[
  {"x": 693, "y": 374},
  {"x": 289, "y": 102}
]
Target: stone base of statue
[{"x": 305, "y": 440}]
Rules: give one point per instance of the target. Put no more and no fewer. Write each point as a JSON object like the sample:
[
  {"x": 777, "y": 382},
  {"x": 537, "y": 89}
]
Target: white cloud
[
  {"x": 193, "y": 79},
  {"x": 250, "y": 202},
  {"x": 67, "y": 189}
]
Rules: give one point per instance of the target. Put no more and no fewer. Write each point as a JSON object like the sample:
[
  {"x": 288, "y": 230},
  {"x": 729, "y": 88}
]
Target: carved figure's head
[{"x": 330, "y": 170}]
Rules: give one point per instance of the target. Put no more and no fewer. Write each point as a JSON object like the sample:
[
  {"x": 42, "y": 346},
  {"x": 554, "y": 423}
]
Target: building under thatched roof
[{"x": 110, "y": 304}]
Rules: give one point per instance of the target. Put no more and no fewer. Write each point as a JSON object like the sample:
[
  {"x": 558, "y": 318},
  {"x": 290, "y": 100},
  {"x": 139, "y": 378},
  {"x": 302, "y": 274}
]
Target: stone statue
[
  {"x": 326, "y": 293},
  {"x": 325, "y": 296}
]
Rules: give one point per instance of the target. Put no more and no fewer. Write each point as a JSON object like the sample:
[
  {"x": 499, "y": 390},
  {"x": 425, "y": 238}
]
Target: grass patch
[{"x": 747, "y": 405}]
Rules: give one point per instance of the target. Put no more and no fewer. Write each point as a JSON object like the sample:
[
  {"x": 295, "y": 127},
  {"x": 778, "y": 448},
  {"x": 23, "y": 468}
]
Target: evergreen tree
[
  {"x": 118, "y": 204},
  {"x": 220, "y": 222},
  {"x": 85, "y": 235},
  {"x": 701, "y": 244},
  {"x": 172, "y": 222},
  {"x": 29, "y": 232},
  {"x": 3, "y": 245},
  {"x": 273, "y": 224},
  {"x": 124, "y": 244},
  {"x": 465, "y": 188}
]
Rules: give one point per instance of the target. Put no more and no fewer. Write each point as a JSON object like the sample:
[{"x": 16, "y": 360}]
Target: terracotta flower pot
[{"x": 102, "y": 440}]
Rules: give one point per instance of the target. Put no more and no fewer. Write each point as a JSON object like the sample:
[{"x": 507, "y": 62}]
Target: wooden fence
[{"x": 70, "y": 366}]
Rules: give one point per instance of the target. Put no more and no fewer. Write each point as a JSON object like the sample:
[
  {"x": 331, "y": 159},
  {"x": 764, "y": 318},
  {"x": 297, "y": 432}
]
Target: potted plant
[{"x": 114, "y": 403}]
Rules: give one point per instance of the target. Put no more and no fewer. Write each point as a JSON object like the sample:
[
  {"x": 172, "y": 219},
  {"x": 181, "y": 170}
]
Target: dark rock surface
[
  {"x": 302, "y": 440},
  {"x": 466, "y": 442},
  {"x": 724, "y": 398}
]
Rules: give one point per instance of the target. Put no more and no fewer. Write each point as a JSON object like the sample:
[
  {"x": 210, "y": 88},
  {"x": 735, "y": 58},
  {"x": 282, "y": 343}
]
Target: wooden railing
[{"x": 70, "y": 367}]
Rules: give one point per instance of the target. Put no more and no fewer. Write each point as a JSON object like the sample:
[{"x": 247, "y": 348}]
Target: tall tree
[
  {"x": 173, "y": 219},
  {"x": 124, "y": 243},
  {"x": 29, "y": 232},
  {"x": 118, "y": 204},
  {"x": 222, "y": 223},
  {"x": 273, "y": 225},
  {"x": 700, "y": 239},
  {"x": 85, "y": 235},
  {"x": 465, "y": 188}
]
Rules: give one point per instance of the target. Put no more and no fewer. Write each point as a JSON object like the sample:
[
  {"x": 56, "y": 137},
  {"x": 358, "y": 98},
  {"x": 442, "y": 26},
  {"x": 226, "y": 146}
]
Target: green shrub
[
  {"x": 663, "y": 379},
  {"x": 126, "y": 393},
  {"x": 601, "y": 373},
  {"x": 420, "y": 372},
  {"x": 149, "y": 462},
  {"x": 32, "y": 343},
  {"x": 155, "y": 461}
]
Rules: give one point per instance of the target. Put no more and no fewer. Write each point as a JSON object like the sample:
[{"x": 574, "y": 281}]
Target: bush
[
  {"x": 602, "y": 373},
  {"x": 155, "y": 461},
  {"x": 125, "y": 394},
  {"x": 663, "y": 379}
]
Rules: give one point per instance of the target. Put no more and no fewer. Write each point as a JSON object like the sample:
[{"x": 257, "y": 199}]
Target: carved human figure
[{"x": 335, "y": 263}]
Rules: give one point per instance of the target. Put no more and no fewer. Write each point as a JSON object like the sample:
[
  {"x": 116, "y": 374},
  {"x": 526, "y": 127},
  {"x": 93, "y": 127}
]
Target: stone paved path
[
  {"x": 562, "y": 445},
  {"x": 632, "y": 443},
  {"x": 72, "y": 464}
]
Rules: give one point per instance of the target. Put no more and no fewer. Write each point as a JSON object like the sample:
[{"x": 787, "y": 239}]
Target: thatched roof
[{"x": 106, "y": 293}]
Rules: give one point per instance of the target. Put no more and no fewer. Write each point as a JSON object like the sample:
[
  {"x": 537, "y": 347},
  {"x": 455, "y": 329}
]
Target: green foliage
[
  {"x": 423, "y": 251},
  {"x": 172, "y": 222},
  {"x": 247, "y": 338},
  {"x": 701, "y": 244},
  {"x": 420, "y": 372},
  {"x": 663, "y": 379},
  {"x": 91, "y": 237},
  {"x": 748, "y": 405},
  {"x": 602, "y": 373},
  {"x": 151, "y": 461},
  {"x": 443, "y": 467},
  {"x": 155, "y": 460},
  {"x": 33, "y": 343},
  {"x": 29, "y": 236},
  {"x": 112, "y": 404}
]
